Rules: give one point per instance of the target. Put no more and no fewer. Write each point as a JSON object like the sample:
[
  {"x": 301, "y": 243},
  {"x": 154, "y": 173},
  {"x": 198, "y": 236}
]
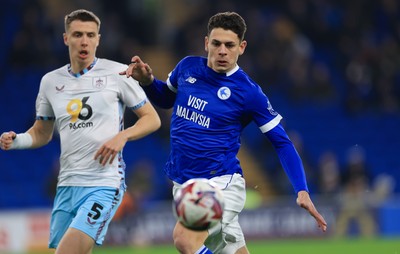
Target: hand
[
  {"x": 6, "y": 140},
  {"x": 139, "y": 71},
  {"x": 303, "y": 200},
  {"x": 110, "y": 149}
]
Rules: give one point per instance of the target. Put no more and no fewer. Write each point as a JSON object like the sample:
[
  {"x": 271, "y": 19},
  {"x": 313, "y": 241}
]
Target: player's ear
[
  {"x": 65, "y": 39},
  {"x": 242, "y": 47},
  {"x": 206, "y": 43},
  {"x": 98, "y": 40}
]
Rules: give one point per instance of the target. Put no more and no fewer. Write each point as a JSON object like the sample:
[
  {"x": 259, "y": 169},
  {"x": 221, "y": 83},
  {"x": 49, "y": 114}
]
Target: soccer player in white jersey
[
  {"x": 85, "y": 100},
  {"x": 213, "y": 99}
]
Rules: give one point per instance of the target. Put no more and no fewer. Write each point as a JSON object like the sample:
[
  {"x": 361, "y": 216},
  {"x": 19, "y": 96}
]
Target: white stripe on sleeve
[{"x": 271, "y": 124}]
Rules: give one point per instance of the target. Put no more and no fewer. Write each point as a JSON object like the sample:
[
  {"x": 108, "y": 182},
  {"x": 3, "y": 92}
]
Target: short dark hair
[
  {"x": 228, "y": 21},
  {"x": 82, "y": 15}
]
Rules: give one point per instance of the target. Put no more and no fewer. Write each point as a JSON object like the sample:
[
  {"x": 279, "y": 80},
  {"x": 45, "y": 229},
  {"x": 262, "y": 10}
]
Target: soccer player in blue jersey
[
  {"x": 213, "y": 99},
  {"x": 85, "y": 100}
]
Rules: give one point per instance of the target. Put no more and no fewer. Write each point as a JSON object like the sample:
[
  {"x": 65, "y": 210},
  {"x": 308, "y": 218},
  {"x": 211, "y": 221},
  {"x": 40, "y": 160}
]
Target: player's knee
[
  {"x": 187, "y": 242},
  {"x": 183, "y": 244},
  {"x": 180, "y": 241}
]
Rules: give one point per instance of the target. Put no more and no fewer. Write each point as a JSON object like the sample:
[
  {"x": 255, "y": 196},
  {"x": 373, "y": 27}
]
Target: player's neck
[{"x": 79, "y": 69}]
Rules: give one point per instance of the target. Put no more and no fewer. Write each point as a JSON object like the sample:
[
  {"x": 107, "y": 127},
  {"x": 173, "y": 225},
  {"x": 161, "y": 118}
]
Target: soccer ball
[{"x": 199, "y": 204}]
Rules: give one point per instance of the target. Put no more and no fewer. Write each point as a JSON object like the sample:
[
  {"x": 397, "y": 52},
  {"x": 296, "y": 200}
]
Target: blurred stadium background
[{"x": 331, "y": 68}]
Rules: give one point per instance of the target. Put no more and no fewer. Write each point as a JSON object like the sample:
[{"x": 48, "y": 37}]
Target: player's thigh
[
  {"x": 96, "y": 212},
  {"x": 229, "y": 231},
  {"x": 75, "y": 241},
  {"x": 61, "y": 217}
]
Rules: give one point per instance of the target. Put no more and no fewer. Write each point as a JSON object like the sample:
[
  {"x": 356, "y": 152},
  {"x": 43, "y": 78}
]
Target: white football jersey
[{"x": 88, "y": 111}]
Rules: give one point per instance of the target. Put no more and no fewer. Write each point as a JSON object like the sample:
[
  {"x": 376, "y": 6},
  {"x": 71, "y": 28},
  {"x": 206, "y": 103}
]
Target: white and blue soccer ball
[{"x": 199, "y": 204}]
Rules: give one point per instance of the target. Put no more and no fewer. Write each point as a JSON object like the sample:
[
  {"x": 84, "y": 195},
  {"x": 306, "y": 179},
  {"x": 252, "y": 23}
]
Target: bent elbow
[
  {"x": 157, "y": 123},
  {"x": 45, "y": 140},
  {"x": 49, "y": 138},
  {"x": 152, "y": 123}
]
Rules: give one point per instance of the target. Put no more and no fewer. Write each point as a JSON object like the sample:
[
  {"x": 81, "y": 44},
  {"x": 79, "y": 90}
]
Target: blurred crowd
[
  {"x": 340, "y": 56},
  {"x": 322, "y": 51}
]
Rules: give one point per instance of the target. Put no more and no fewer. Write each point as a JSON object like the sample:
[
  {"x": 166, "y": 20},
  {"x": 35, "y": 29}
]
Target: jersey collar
[
  {"x": 232, "y": 71},
  {"x": 77, "y": 75},
  {"x": 227, "y": 74}
]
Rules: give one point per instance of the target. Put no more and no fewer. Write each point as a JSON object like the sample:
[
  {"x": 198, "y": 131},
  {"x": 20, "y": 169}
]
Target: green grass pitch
[
  {"x": 323, "y": 246},
  {"x": 300, "y": 246}
]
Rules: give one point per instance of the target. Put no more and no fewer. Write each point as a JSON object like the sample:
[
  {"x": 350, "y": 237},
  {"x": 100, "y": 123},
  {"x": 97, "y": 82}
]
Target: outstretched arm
[
  {"x": 293, "y": 167},
  {"x": 157, "y": 91}
]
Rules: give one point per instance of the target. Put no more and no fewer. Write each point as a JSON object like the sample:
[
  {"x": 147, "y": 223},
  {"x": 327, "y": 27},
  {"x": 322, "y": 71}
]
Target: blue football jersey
[{"x": 209, "y": 113}]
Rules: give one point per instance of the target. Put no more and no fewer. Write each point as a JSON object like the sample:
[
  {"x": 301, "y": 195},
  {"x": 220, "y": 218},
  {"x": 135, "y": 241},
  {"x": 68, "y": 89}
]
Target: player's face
[
  {"x": 82, "y": 39},
  {"x": 224, "y": 49}
]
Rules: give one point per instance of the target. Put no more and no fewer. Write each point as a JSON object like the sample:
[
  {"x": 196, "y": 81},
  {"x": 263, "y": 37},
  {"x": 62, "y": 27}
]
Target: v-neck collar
[{"x": 85, "y": 70}]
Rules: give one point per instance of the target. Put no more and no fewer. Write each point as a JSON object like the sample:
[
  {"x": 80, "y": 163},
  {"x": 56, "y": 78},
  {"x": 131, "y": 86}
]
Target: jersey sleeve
[
  {"x": 289, "y": 157},
  {"x": 163, "y": 94},
  {"x": 268, "y": 120},
  {"x": 260, "y": 109},
  {"x": 131, "y": 93},
  {"x": 160, "y": 94},
  {"x": 173, "y": 76},
  {"x": 44, "y": 110}
]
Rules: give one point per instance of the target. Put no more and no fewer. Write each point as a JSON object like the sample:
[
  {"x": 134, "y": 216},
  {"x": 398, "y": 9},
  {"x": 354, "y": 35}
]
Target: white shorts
[{"x": 229, "y": 232}]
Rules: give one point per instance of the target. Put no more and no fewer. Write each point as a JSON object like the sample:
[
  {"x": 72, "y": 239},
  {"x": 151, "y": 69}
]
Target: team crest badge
[
  {"x": 99, "y": 82},
  {"x": 224, "y": 93}
]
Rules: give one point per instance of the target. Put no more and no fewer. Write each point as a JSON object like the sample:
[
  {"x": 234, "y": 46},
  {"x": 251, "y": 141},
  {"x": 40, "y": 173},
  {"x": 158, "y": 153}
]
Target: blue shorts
[{"x": 88, "y": 209}]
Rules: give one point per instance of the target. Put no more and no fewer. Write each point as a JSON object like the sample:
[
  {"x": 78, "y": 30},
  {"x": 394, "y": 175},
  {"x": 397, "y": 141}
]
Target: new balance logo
[{"x": 191, "y": 80}]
